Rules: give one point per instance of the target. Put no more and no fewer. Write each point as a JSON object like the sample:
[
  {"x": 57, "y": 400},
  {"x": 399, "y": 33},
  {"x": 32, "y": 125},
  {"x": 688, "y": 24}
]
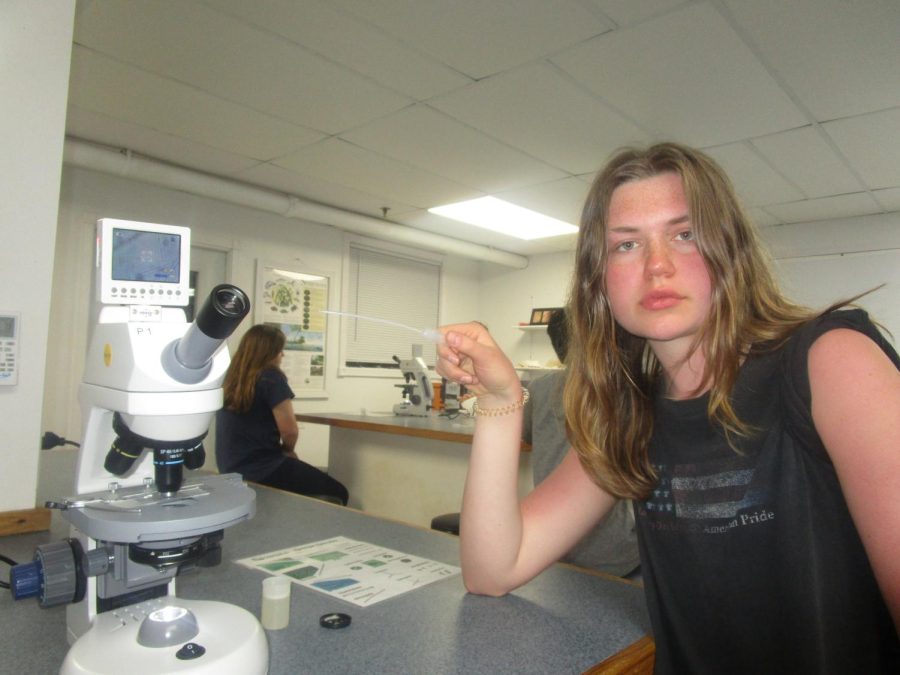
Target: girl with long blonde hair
[{"x": 759, "y": 439}]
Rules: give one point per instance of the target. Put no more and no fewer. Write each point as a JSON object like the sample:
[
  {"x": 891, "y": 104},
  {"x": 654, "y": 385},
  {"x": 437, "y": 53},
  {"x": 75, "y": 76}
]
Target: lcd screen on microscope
[
  {"x": 146, "y": 256},
  {"x": 143, "y": 263}
]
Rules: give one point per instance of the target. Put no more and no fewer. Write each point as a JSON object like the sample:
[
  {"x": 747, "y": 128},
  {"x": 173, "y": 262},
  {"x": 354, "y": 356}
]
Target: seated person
[
  {"x": 256, "y": 430},
  {"x": 612, "y": 545}
]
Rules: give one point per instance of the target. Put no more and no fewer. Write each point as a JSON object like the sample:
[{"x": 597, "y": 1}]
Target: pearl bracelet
[{"x": 478, "y": 411}]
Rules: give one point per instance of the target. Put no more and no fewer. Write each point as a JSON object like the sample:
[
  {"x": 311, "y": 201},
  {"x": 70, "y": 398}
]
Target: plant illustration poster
[{"x": 293, "y": 301}]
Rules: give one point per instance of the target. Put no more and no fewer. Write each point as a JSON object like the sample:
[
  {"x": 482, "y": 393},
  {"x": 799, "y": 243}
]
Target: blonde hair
[
  {"x": 257, "y": 350},
  {"x": 613, "y": 374}
]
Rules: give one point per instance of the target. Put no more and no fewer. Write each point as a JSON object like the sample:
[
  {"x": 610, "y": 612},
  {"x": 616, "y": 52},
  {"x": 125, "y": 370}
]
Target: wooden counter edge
[
  {"x": 27, "y": 520},
  {"x": 636, "y": 659}
]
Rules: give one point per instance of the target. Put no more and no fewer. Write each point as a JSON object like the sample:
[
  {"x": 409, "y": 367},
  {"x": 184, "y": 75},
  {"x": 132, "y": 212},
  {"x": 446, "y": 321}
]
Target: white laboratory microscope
[
  {"x": 418, "y": 393},
  {"x": 151, "y": 386}
]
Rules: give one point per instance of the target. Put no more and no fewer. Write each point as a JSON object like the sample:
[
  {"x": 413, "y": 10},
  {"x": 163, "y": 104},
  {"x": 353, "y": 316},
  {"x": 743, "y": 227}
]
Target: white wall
[
  {"x": 509, "y": 295},
  {"x": 246, "y": 235},
  {"x": 35, "y": 44},
  {"x": 821, "y": 263}
]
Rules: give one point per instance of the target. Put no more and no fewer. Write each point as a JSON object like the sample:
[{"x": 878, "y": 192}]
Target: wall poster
[{"x": 293, "y": 301}]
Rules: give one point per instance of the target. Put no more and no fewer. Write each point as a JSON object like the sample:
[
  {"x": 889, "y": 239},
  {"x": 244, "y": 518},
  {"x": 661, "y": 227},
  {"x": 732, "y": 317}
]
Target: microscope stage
[{"x": 140, "y": 514}]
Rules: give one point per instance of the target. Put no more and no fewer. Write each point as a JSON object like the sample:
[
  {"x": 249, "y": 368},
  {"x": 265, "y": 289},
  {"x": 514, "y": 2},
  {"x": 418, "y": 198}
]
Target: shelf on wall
[{"x": 529, "y": 327}]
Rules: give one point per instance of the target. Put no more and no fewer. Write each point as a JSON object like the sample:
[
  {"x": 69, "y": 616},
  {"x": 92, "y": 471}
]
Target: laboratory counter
[
  {"x": 404, "y": 467},
  {"x": 434, "y": 426},
  {"x": 565, "y": 621}
]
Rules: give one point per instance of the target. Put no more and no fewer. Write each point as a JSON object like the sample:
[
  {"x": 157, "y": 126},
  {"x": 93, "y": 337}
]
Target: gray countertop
[{"x": 565, "y": 620}]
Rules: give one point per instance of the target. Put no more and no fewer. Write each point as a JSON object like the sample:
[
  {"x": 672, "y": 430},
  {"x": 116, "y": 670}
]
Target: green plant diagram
[{"x": 281, "y": 297}]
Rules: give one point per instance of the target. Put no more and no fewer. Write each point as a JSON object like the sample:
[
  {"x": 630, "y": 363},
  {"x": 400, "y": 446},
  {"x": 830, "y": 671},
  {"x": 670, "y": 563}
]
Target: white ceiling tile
[
  {"x": 554, "y": 120},
  {"x": 840, "y": 58},
  {"x": 888, "y": 198},
  {"x": 762, "y": 218},
  {"x": 826, "y": 208},
  {"x": 423, "y": 137},
  {"x": 561, "y": 199},
  {"x": 872, "y": 145},
  {"x": 343, "y": 163},
  {"x": 224, "y": 86},
  {"x": 343, "y": 39},
  {"x": 562, "y": 243},
  {"x": 111, "y": 88},
  {"x": 626, "y": 12},
  {"x": 481, "y": 38},
  {"x": 321, "y": 191},
  {"x": 755, "y": 181},
  {"x": 97, "y": 127},
  {"x": 685, "y": 76},
  {"x": 227, "y": 58},
  {"x": 808, "y": 161}
]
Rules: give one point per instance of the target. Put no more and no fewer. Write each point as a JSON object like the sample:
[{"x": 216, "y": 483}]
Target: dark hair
[
  {"x": 257, "y": 350},
  {"x": 558, "y": 331}
]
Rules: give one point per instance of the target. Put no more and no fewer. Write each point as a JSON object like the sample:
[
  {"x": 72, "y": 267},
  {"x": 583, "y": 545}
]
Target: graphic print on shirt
[{"x": 711, "y": 498}]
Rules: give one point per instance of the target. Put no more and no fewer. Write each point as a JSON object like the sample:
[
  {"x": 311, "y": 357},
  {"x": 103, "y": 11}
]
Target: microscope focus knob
[{"x": 54, "y": 576}]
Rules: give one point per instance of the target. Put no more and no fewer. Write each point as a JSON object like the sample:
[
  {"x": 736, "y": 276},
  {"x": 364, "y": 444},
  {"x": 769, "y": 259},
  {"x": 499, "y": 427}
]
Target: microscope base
[{"x": 230, "y": 640}]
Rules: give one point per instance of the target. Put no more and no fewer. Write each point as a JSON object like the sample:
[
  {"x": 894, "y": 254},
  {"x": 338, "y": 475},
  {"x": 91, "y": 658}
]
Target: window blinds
[{"x": 392, "y": 287}]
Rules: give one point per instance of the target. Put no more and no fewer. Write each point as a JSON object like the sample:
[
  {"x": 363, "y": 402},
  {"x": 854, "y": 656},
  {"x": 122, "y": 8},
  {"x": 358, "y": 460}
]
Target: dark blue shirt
[
  {"x": 248, "y": 442},
  {"x": 751, "y": 560}
]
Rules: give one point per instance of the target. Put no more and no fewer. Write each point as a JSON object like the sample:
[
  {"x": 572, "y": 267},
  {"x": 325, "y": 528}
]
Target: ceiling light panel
[{"x": 501, "y": 216}]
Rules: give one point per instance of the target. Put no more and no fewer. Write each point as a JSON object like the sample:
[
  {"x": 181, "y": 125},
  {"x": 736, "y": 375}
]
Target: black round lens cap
[{"x": 334, "y": 620}]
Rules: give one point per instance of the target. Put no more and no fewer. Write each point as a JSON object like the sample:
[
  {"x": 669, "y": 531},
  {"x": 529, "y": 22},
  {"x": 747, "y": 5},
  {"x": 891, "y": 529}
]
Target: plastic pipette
[{"x": 430, "y": 334}]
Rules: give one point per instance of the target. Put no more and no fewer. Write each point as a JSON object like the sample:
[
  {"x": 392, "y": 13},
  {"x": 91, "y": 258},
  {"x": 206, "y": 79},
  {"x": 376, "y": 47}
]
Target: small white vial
[{"x": 276, "y": 602}]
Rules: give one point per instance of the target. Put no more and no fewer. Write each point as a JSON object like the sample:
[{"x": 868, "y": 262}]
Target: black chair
[{"x": 447, "y": 522}]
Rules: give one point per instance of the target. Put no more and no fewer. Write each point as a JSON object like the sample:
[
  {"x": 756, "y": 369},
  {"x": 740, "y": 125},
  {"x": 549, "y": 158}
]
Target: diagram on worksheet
[{"x": 352, "y": 570}]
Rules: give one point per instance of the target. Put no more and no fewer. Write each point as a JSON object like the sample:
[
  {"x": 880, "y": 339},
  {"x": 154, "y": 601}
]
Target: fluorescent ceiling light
[{"x": 500, "y": 216}]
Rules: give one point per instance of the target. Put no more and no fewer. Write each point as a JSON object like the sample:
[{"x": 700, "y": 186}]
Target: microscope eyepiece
[
  {"x": 187, "y": 359},
  {"x": 223, "y": 310}
]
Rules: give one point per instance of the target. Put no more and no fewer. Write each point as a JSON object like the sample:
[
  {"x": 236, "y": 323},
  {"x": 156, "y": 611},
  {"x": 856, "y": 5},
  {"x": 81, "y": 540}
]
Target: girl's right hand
[{"x": 470, "y": 357}]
